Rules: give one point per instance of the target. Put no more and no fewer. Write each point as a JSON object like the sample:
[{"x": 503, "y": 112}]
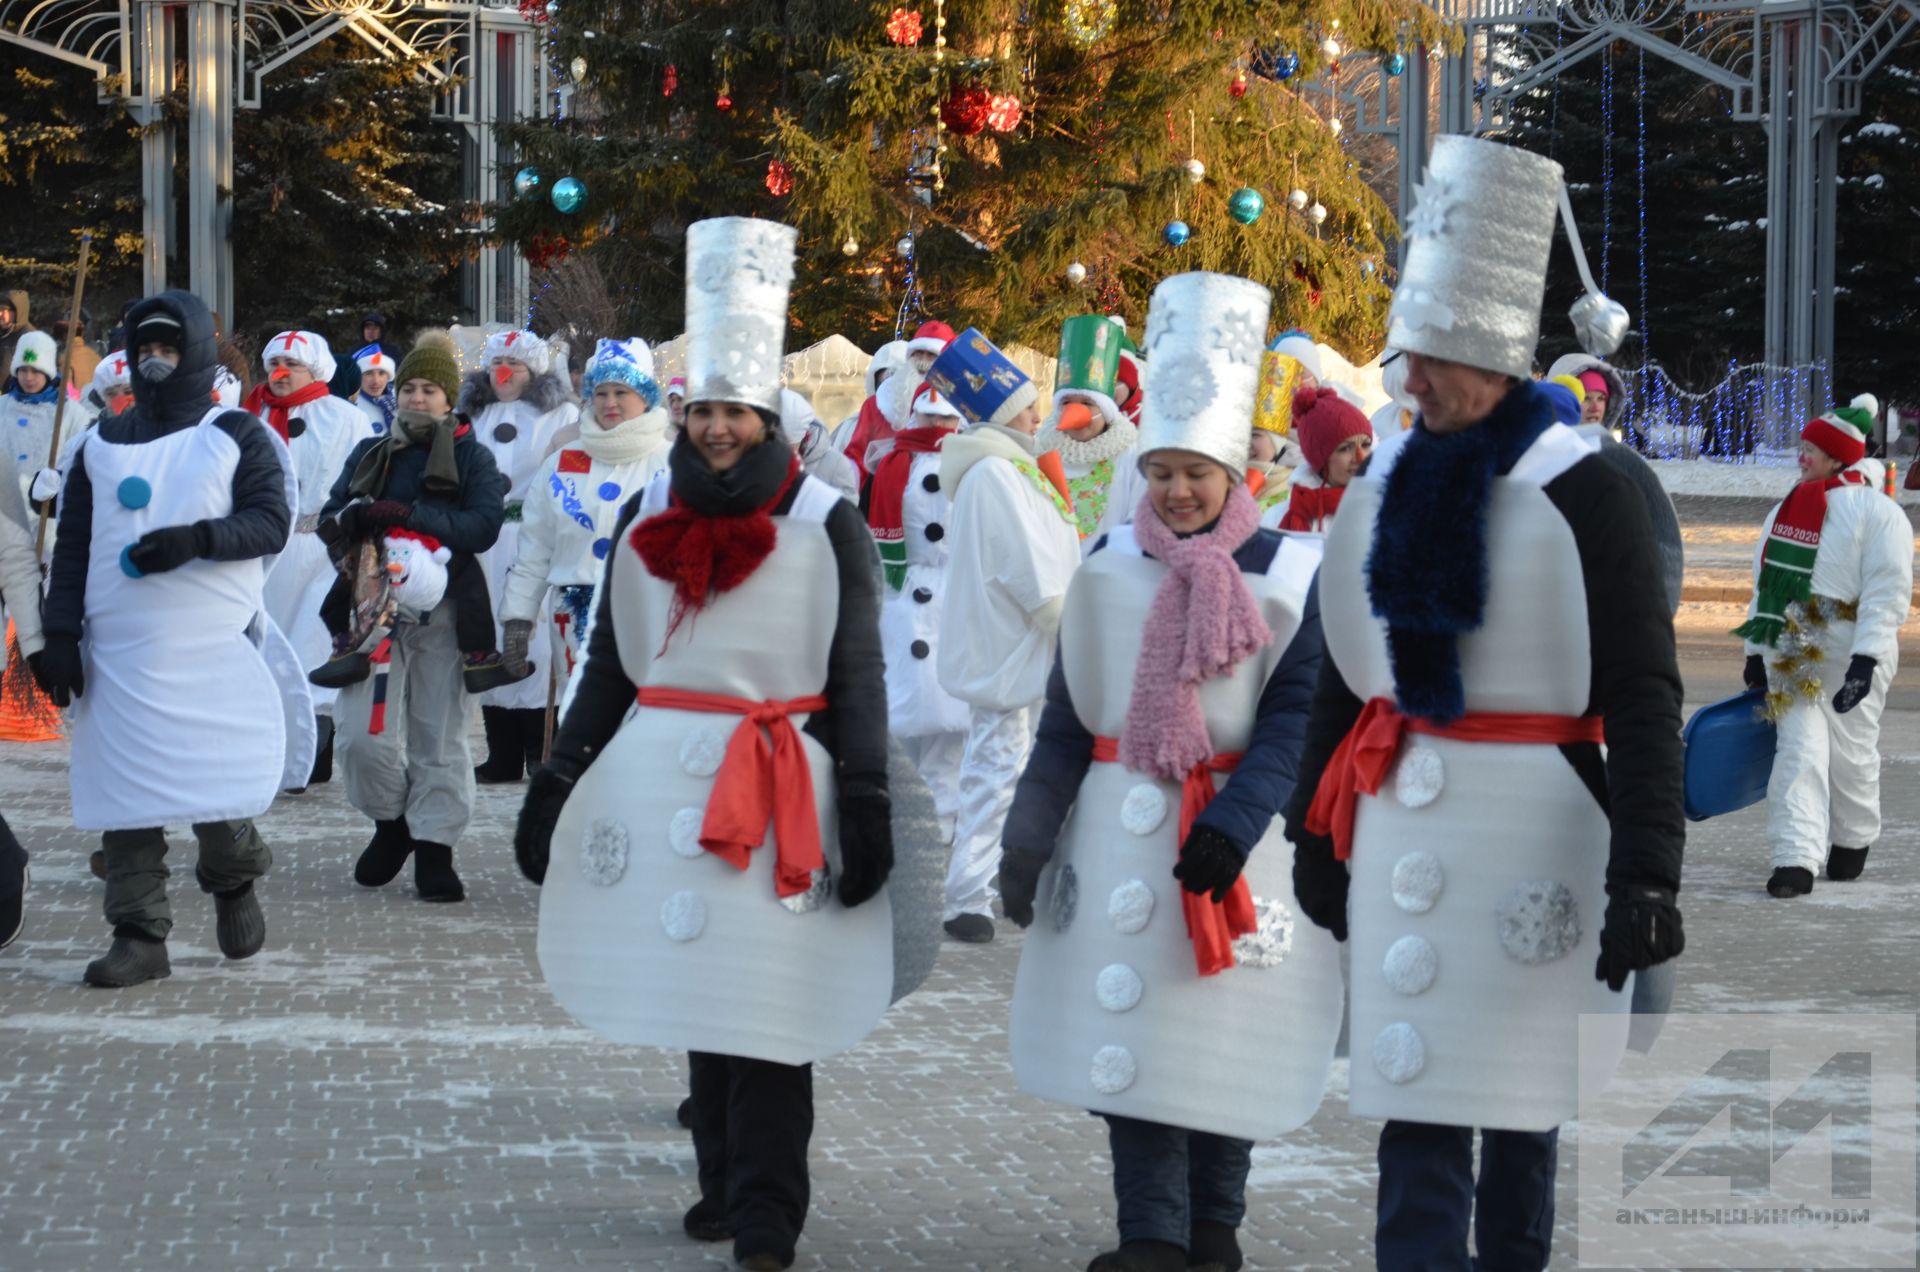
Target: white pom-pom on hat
[{"x": 1868, "y": 403}]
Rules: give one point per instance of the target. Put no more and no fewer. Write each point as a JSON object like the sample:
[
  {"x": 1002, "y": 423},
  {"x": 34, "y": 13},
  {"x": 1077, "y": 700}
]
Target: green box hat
[{"x": 1089, "y": 365}]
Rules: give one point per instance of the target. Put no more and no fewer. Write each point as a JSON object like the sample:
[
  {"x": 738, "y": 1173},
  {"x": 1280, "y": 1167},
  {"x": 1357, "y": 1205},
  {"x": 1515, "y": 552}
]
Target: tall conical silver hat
[
  {"x": 739, "y": 271},
  {"x": 1205, "y": 334}
]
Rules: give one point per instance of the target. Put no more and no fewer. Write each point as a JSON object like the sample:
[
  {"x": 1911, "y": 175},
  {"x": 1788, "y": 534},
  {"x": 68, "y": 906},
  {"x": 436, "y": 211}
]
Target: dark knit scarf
[
  {"x": 277, "y": 411},
  {"x": 887, "y": 502},
  {"x": 1427, "y": 573},
  {"x": 718, "y": 526},
  {"x": 411, "y": 428}
]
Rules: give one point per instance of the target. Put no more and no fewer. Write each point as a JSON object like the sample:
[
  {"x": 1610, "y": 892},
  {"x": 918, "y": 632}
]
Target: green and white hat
[{"x": 1089, "y": 366}]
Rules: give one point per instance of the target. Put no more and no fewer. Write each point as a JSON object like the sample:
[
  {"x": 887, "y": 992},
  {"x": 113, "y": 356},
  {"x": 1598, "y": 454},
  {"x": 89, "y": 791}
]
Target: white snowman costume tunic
[
  {"x": 1109, "y": 1010},
  {"x": 1480, "y": 869},
  {"x": 645, "y": 936}
]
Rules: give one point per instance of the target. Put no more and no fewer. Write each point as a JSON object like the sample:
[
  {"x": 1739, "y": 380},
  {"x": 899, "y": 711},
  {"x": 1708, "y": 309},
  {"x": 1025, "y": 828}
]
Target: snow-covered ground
[{"x": 1769, "y": 479}]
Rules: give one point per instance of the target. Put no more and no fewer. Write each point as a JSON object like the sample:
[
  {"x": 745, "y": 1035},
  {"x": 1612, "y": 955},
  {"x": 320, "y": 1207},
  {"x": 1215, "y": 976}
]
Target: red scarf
[
  {"x": 886, "y": 508},
  {"x": 873, "y": 426},
  {"x": 275, "y": 410},
  {"x": 1311, "y": 507},
  {"x": 703, "y": 556}
]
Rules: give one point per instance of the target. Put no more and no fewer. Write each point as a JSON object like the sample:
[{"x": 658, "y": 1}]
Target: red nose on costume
[
  {"x": 280, "y": 373},
  {"x": 502, "y": 373}
]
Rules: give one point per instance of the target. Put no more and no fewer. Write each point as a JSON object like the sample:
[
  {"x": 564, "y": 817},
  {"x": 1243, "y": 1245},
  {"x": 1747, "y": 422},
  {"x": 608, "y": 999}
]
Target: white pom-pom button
[
  {"x": 1130, "y": 906},
  {"x": 1143, "y": 809},
  {"x": 1410, "y": 965},
  {"x": 702, "y": 751},
  {"x": 1539, "y": 921},
  {"x": 683, "y": 916},
  {"x": 1113, "y": 1070},
  {"x": 1398, "y": 1053},
  {"x": 1118, "y": 987},
  {"x": 683, "y": 832},
  {"x": 1420, "y": 776},
  {"x": 1417, "y": 879}
]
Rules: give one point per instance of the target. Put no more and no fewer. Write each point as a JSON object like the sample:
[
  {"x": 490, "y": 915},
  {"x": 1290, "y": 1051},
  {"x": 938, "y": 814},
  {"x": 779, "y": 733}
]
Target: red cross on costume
[
  {"x": 561, "y": 620},
  {"x": 287, "y": 341}
]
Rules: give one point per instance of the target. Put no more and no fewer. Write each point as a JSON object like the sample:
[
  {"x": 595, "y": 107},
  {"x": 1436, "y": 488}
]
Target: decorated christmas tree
[{"x": 987, "y": 161}]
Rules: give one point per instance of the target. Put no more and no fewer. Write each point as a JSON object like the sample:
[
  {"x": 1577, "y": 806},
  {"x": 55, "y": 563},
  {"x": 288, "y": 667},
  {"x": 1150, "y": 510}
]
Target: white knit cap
[
  {"x": 307, "y": 348},
  {"x": 372, "y": 358},
  {"x": 520, "y": 346},
  {"x": 926, "y": 401},
  {"x": 36, "y": 352},
  {"x": 114, "y": 372}
]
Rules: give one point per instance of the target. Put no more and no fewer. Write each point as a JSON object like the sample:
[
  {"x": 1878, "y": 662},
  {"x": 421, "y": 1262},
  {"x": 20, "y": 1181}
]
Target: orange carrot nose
[
  {"x": 280, "y": 373},
  {"x": 396, "y": 569},
  {"x": 1075, "y": 415},
  {"x": 502, "y": 373}
]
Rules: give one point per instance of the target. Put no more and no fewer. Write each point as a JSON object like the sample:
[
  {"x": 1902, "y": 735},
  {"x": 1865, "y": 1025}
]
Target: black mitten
[
  {"x": 866, "y": 846},
  {"x": 547, "y": 792},
  {"x": 168, "y": 548},
  {"x": 1858, "y": 683},
  {"x": 1641, "y": 930},
  {"x": 59, "y": 670},
  {"x": 1019, "y": 880},
  {"x": 1320, "y": 882},
  {"x": 1755, "y": 672},
  {"x": 1209, "y": 863}
]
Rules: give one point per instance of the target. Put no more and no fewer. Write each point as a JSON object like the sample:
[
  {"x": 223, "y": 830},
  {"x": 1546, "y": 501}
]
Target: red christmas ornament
[
  {"x": 1313, "y": 297},
  {"x": 669, "y": 80},
  {"x": 534, "y": 11},
  {"x": 723, "y": 102},
  {"x": 1003, "y": 113},
  {"x": 904, "y": 27},
  {"x": 544, "y": 250},
  {"x": 779, "y": 179},
  {"x": 965, "y": 112},
  {"x": 1239, "y": 86}
]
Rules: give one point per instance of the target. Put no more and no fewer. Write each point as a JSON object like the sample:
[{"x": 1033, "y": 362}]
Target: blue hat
[
  {"x": 628, "y": 362},
  {"x": 980, "y": 380}
]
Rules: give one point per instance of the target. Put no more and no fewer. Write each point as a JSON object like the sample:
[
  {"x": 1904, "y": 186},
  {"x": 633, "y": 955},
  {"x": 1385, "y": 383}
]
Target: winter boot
[
  {"x": 1141, "y": 1256},
  {"x": 1844, "y": 864},
  {"x": 322, "y": 752},
  {"x": 485, "y": 671},
  {"x": 506, "y": 757},
  {"x": 706, "y": 1222},
  {"x": 97, "y": 862},
  {"x": 385, "y": 853},
  {"x": 533, "y": 736},
  {"x": 765, "y": 1250},
  {"x": 13, "y": 904},
  {"x": 339, "y": 672},
  {"x": 973, "y": 929},
  {"x": 684, "y": 1114},
  {"x": 1214, "y": 1247},
  {"x": 1790, "y": 881},
  {"x": 433, "y": 876},
  {"x": 130, "y": 960},
  {"x": 238, "y": 923}
]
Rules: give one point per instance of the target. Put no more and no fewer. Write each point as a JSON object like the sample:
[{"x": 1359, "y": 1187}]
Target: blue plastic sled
[{"x": 1729, "y": 756}]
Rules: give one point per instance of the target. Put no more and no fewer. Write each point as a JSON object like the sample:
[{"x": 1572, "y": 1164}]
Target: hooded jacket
[
  {"x": 1574, "y": 363},
  {"x": 260, "y": 520},
  {"x": 11, "y": 336}
]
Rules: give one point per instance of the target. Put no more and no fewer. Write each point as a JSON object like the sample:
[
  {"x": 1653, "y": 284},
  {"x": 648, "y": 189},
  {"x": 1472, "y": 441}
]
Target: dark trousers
[
  {"x": 1428, "y": 1197},
  {"x": 232, "y": 854},
  {"x": 752, "y": 1120},
  {"x": 13, "y": 861},
  {"x": 1168, "y": 1178}
]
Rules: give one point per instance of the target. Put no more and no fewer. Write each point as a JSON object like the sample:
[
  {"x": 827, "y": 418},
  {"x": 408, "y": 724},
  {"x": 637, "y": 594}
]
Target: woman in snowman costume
[
  {"x": 375, "y": 396},
  {"x": 574, "y": 502},
  {"x": 908, "y": 513},
  {"x": 730, "y": 901},
  {"x": 1093, "y": 436},
  {"x": 517, "y": 403},
  {"x": 1189, "y": 650}
]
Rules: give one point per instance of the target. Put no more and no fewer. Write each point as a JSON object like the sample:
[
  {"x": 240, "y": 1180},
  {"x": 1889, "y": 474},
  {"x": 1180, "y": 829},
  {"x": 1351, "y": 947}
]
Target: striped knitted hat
[{"x": 1841, "y": 433}]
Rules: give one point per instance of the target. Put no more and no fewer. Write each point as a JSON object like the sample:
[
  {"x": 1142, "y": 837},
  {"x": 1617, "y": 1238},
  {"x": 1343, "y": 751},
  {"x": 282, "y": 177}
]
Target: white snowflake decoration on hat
[
  {"x": 743, "y": 347},
  {"x": 1160, "y": 326},
  {"x": 1418, "y": 309},
  {"x": 1239, "y": 336},
  {"x": 1184, "y": 385},
  {"x": 712, "y": 272},
  {"x": 1434, "y": 202},
  {"x": 771, "y": 262}
]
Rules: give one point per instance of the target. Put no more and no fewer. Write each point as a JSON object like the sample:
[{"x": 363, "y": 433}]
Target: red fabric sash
[
  {"x": 1364, "y": 756},
  {"x": 886, "y": 507},
  {"x": 1311, "y": 507},
  {"x": 757, "y": 784},
  {"x": 1211, "y": 925},
  {"x": 275, "y": 410}
]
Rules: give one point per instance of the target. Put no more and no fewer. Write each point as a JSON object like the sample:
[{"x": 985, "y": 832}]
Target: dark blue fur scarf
[{"x": 1427, "y": 574}]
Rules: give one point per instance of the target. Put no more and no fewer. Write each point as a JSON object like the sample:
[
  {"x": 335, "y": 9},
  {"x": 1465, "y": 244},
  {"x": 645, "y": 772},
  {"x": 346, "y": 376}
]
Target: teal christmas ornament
[
  {"x": 1246, "y": 205},
  {"x": 1176, "y": 233},
  {"x": 1396, "y": 64},
  {"x": 569, "y": 193},
  {"x": 526, "y": 182}
]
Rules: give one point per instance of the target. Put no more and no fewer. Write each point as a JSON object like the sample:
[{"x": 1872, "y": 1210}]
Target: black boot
[
  {"x": 706, "y": 1222},
  {"x": 238, "y": 924},
  {"x": 322, "y": 752},
  {"x": 1214, "y": 1247},
  {"x": 1844, "y": 864},
  {"x": 433, "y": 876},
  {"x": 1790, "y": 881},
  {"x": 97, "y": 862},
  {"x": 533, "y": 736},
  {"x": 1141, "y": 1256},
  {"x": 506, "y": 757},
  {"x": 974, "y": 929},
  {"x": 385, "y": 854},
  {"x": 130, "y": 960},
  {"x": 765, "y": 1250},
  {"x": 13, "y": 904}
]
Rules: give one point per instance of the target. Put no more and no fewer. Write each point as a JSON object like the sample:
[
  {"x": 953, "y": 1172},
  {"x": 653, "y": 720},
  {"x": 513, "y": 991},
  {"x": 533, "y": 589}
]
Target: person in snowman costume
[
  {"x": 1189, "y": 652},
  {"x": 1335, "y": 440},
  {"x": 151, "y": 616},
  {"x": 375, "y": 396},
  {"x": 518, "y": 403},
  {"x": 1493, "y": 602},
  {"x": 1013, "y": 549},
  {"x": 575, "y": 501},
  {"x": 1833, "y": 580},
  {"x": 892, "y": 400},
  {"x": 1089, "y": 430},
  {"x": 887, "y": 360},
  {"x": 20, "y": 598},
  {"x": 738, "y": 608},
  {"x": 28, "y": 406},
  {"x": 807, "y": 434},
  {"x": 909, "y": 512}
]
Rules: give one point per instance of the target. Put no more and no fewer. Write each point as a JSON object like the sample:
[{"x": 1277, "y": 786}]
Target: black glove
[
  {"x": 1857, "y": 684},
  {"x": 385, "y": 514},
  {"x": 1755, "y": 673},
  {"x": 866, "y": 845},
  {"x": 168, "y": 548},
  {"x": 547, "y": 792},
  {"x": 1641, "y": 930},
  {"x": 58, "y": 671},
  {"x": 1019, "y": 880},
  {"x": 1209, "y": 863},
  {"x": 332, "y": 532},
  {"x": 1320, "y": 881}
]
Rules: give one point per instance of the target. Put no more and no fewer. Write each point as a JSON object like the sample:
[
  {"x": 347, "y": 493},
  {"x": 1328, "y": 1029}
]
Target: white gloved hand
[{"x": 46, "y": 486}]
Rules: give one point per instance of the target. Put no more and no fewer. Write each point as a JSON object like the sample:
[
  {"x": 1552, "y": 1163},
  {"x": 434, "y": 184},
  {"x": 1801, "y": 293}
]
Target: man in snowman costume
[
  {"x": 1494, "y": 612},
  {"x": 518, "y": 404},
  {"x": 153, "y": 617}
]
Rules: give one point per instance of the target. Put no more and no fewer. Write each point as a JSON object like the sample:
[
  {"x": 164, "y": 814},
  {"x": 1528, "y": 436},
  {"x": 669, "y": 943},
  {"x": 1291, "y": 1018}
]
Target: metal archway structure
[{"x": 482, "y": 55}]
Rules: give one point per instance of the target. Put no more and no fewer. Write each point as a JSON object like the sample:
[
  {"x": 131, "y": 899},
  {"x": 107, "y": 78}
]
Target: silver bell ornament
[
  {"x": 1196, "y": 171},
  {"x": 1599, "y": 323},
  {"x": 1076, "y": 273},
  {"x": 1297, "y": 200}
]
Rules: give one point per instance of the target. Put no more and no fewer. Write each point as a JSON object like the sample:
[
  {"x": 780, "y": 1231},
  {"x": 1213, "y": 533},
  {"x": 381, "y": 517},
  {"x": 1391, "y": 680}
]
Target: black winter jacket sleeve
[
  {"x": 1335, "y": 708},
  {"x": 338, "y": 498},
  {"x": 63, "y": 613},
  {"x": 261, "y": 520},
  {"x": 1062, "y": 754},
  {"x": 853, "y": 728}
]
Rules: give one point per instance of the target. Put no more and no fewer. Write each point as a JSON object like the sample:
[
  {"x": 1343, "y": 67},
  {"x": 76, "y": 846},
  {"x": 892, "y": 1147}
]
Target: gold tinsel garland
[{"x": 1800, "y": 652}]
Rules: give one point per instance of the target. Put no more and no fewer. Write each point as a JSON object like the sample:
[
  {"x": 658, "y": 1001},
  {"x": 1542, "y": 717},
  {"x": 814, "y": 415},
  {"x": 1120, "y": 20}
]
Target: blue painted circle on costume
[
  {"x": 601, "y": 547},
  {"x": 127, "y": 567},
  {"x": 609, "y": 490},
  {"x": 134, "y": 492}
]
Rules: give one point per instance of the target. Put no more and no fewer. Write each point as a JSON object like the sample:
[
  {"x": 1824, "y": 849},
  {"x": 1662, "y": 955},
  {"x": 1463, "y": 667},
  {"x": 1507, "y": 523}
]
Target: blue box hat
[{"x": 981, "y": 381}]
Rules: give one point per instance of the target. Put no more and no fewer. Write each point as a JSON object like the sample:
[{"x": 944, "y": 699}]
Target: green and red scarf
[
  {"x": 1786, "y": 563},
  {"x": 886, "y": 500}
]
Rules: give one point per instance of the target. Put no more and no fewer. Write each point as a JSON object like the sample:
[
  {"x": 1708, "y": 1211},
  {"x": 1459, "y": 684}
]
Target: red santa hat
[
  {"x": 932, "y": 337},
  {"x": 1322, "y": 420},
  {"x": 1130, "y": 374}
]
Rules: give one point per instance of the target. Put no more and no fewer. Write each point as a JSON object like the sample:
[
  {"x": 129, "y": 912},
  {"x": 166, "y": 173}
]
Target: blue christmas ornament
[
  {"x": 526, "y": 182},
  {"x": 1246, "y": 205},
  {"x": 1285, "y": 65},
  {"x": 1396, "y": 64},
  {"x": 569, "y": 194},
  {"x": 1176, "y": 233}
]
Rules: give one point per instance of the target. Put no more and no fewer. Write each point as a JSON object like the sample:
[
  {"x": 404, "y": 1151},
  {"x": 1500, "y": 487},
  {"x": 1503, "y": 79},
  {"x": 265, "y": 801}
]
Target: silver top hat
[
  {"x": 739, "y": 271},
  {"x": 1204, "y": 339}
]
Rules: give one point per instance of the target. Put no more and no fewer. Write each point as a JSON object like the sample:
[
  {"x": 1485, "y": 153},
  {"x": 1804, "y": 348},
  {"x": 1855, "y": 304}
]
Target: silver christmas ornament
[
  {"x": 1196, "y": 171},
  {"x": 1076, "y": 273},
  {"x": 1317, "y": 214},
  {"x": 1599, "y": 323},
  {"x": 1297, "y": 200}
]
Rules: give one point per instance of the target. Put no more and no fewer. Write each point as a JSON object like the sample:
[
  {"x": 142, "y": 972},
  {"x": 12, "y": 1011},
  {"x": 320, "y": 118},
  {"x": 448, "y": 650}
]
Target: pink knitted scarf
[{"x": 1203, "y": 624}]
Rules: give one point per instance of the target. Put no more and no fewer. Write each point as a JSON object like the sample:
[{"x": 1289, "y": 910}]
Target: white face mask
[{"x": 154, "y": 370}]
